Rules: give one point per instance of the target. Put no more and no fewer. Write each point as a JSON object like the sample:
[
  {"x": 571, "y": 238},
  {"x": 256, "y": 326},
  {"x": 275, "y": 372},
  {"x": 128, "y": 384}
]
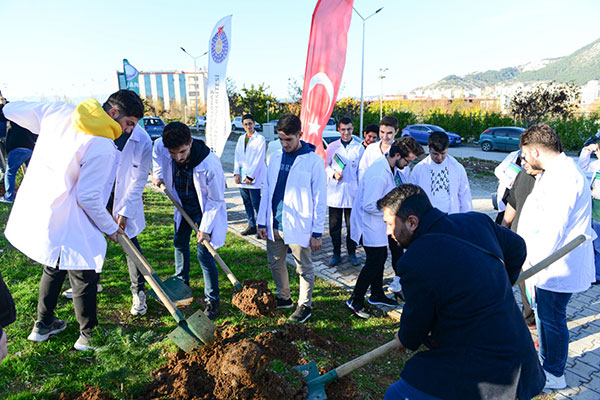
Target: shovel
[
  {"x": 316, "y": 383},
  {"x": 191, "y": 333},
  {"x": 236, "y": 284}
]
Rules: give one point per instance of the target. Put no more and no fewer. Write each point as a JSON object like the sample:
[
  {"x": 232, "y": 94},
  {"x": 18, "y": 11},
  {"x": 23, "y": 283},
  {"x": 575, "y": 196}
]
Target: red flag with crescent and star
[{"x": 324, "y": 67}]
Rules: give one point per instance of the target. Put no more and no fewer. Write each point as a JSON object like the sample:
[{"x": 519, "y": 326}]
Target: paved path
[{"x": 583, "y": 312}]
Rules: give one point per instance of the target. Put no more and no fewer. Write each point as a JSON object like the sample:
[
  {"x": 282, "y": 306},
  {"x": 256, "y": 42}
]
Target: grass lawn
[{"x": 130, "y": 347}]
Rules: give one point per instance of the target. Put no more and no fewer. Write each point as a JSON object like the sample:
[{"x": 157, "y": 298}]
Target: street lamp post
[
  {"x": 362, "y": 70},
  {"x": 382, "y": 77},
  {"x": 268, "y": 102},
  {"x": 195, "y": 79}
]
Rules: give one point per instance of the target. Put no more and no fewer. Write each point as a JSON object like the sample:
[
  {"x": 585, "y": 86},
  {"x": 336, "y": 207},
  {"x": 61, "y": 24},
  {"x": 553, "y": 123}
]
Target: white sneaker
[
  {"x": 395, "y": 285},
  {"x": 555, "y": 382},
  {"x": 69, "y": 292},
  {"x": 139, "y": 306},
  {"x": 82, "y": 344}
]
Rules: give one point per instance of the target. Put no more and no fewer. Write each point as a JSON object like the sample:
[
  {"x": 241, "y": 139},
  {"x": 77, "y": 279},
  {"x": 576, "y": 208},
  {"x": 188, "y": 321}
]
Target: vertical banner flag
[
  {"x": 324, "y": 67},
  {"x": 131, "y": 77},
  {"x": 218, "y": 121}
]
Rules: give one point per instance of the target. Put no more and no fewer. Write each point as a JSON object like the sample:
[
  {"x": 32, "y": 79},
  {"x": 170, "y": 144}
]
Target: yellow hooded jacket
[{"x": 90, "y": 118}]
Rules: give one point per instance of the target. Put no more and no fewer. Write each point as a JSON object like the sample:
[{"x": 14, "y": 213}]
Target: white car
[
  {"x": 236, "y": 124},
  {"x": 328, "y": 137}
]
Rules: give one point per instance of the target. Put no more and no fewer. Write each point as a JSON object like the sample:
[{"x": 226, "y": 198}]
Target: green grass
[{"x": 131, "y": 347}]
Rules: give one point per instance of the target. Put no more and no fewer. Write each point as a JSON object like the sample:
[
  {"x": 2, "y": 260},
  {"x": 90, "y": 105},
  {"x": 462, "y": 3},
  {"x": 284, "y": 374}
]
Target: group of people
[{"x": 454, "y": 268}]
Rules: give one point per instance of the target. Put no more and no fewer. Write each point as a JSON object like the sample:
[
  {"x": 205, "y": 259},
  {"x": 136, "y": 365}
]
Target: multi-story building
[{"x": 171, "y": 87}]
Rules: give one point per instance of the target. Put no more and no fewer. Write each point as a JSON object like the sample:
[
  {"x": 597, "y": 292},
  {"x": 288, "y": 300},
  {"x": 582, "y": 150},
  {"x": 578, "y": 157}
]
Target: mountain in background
[{"x": 578, "y": 68}]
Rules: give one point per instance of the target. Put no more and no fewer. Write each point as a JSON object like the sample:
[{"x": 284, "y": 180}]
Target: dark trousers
[
  {"x": 135, "y": 276},
  {"x": 371, "y": 275},
  {"x": 251, "y": 199},
  {"x": 84, "y": 284},
  {"x": 335, "y": 230},
  {"x": 527, "y": 311},
  {"x": 396, "y": 251}
]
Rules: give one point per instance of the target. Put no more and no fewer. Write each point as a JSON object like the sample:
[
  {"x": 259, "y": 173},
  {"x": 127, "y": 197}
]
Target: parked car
[
  {"x": 328, "y": 137},
  {"x": 500, "y": 138},
  {"x": 201, "y": 122},
  {"x": 331, "y": 125},
  {"x": 236, "y": 124},
  {"x": 154, "y": 127},
  {"x": 421, "y": 133}
]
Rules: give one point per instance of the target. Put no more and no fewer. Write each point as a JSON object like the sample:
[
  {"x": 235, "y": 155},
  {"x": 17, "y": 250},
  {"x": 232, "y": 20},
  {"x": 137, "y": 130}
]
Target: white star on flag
[{"x": 313, "y": 127}]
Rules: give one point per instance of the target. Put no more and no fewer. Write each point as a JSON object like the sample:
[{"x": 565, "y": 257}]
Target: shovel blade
[
  {"x": 176, "y": 290},
  {"x": 310, "y": 373},
  {"x": 183, "y": 337},
  {"x": 194, "y": 332}
]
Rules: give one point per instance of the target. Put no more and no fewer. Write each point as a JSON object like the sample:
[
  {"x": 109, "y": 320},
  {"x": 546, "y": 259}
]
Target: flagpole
[{"x": 195, "y": 79}]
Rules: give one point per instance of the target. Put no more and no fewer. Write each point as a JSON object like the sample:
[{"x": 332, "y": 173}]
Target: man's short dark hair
[
  {"x": 372, "y": 128},
  {"x": 289, "y": 124},
  {"x": 438, "y": 141},
  {"x": 248, "y": 116},
  {"x": 406, "y": 200},
  {"x": 404, "y": 146},
  {"x": 175, "y": 135},
  {"x": 345, "y": 121},
  {"x": 541, "y": 135},
  {"x": 127, "y": 102},
  {"x": 389, "y": 120}
]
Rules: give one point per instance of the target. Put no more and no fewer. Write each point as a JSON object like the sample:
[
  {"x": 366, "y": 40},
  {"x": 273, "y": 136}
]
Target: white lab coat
[
  {"x": 59, "y": 209},
  {"x": 304, "y": 201},
  {"x": 366, "y": 219},
  {"x": 341, "y": 194},
  {"x": 557, "y": 210},
  {"x": 131, "y": 169},
  {"x": 371, "y": 153},
  {"x": 460, "y": 191},
  {"x": 251, "y": 161},
  {"x": 505, "y": 177},
  {"x": 209, "y": 182}
]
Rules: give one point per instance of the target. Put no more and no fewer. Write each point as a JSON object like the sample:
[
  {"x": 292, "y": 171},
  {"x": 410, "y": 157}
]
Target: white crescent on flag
[{"x": 322, "y": 79}]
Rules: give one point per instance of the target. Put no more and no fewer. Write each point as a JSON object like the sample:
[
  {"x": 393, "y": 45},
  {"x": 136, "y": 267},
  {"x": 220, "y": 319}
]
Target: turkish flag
[{"x": 324, "y": 67}]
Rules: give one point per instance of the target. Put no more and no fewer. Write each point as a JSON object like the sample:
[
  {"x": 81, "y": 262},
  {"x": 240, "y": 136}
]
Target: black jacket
[
  {"x": 8, "y": 313},
  {"x": 459, "y": 302},
  {"x": 17, "y": 136}
]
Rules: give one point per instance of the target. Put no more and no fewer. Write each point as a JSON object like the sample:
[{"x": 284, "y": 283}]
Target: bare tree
[{"x": 552, "y": 99}]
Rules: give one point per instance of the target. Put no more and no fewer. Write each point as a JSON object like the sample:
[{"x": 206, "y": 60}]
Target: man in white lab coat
[
  {"x": 292, "y": 213},
  {"x": 557, "y": 210},
  {"x": 388, "y": 129},
  {"x": 343, "y": 157},
  {"x": 194, "y": 175},
  {"x": 134, "y": 158},
  {"x": 442, "y": 177},
  {"x": 368, "y": 227},
  {"x": 59, "y": 216},
  {"x": 249, "y": 170}
]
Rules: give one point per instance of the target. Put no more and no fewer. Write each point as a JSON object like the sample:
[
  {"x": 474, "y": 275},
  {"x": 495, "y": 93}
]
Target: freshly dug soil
[
  {"x": 91, "y": 393},
  {"x": 241, "y": 368},
  {"x": 255, "y": 299}
]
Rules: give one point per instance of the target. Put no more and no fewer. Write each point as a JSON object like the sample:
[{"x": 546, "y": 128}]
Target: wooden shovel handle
[
  {"x": 144, "y": 267},
  {"x": 351, "y": 365},
  {"x": 236, "y": 284}
]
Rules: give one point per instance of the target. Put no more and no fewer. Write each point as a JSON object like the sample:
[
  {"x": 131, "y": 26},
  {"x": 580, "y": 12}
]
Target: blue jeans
[
  {"x": 553, "y": 334},
  {"x": 401, "y": 390},
  {"x": 15, "y": 159},
  {"x": 596, "y": 227},
  {"x": 251, "y": 199},
  {"x": 181, "y": 242}
]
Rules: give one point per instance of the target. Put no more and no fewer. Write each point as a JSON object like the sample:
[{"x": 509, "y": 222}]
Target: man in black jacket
[
  {"x": 459, "y": 303},
  {"x": 7, "y": 315}
]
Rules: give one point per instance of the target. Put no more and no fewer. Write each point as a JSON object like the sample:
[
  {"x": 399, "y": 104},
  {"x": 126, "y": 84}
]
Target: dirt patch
[
  {"x": 91, "y": 393},
  {"x": 255, "y": 299},
  {"x": 241, "y": 368}
]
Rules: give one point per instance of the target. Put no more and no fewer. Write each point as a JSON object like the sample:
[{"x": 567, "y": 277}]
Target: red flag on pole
[{"x": 324, "y": 67}]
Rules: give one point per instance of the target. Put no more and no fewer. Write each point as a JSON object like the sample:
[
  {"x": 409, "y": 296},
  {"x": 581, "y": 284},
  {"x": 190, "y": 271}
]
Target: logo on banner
[{"x": 219, "y": 46}]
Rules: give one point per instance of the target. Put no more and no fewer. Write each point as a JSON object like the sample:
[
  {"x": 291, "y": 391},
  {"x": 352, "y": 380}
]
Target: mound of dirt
[
  {"x": 242, "y": 368},
  {"x": 255, "y": 299},
  {"x": 91, "y": 393}
]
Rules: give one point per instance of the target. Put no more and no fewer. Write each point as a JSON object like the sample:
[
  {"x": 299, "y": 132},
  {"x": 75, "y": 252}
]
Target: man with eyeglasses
[
  {"x": 368, "y": 227},
  {"x": 442, "y": 177}
]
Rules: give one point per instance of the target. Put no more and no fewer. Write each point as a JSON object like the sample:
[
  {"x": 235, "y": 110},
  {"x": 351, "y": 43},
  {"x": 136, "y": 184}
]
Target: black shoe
[
  {"x": 281, "y": 303},
  {"x": 212, "y": 311},
  {"x": 382, "y": 301},
  {"x": 301, "y": 314},
  {"x": 250, "y": 230},
  {"x": 399, "y": 297}
]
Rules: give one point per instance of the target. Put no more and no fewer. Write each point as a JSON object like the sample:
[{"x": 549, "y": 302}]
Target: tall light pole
[
  {"x": 195, "y": 79},
  {"x": 362, "y": 70},
  {"x": 268, "y": 102},
  {"x": 382, "y": 77}
]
